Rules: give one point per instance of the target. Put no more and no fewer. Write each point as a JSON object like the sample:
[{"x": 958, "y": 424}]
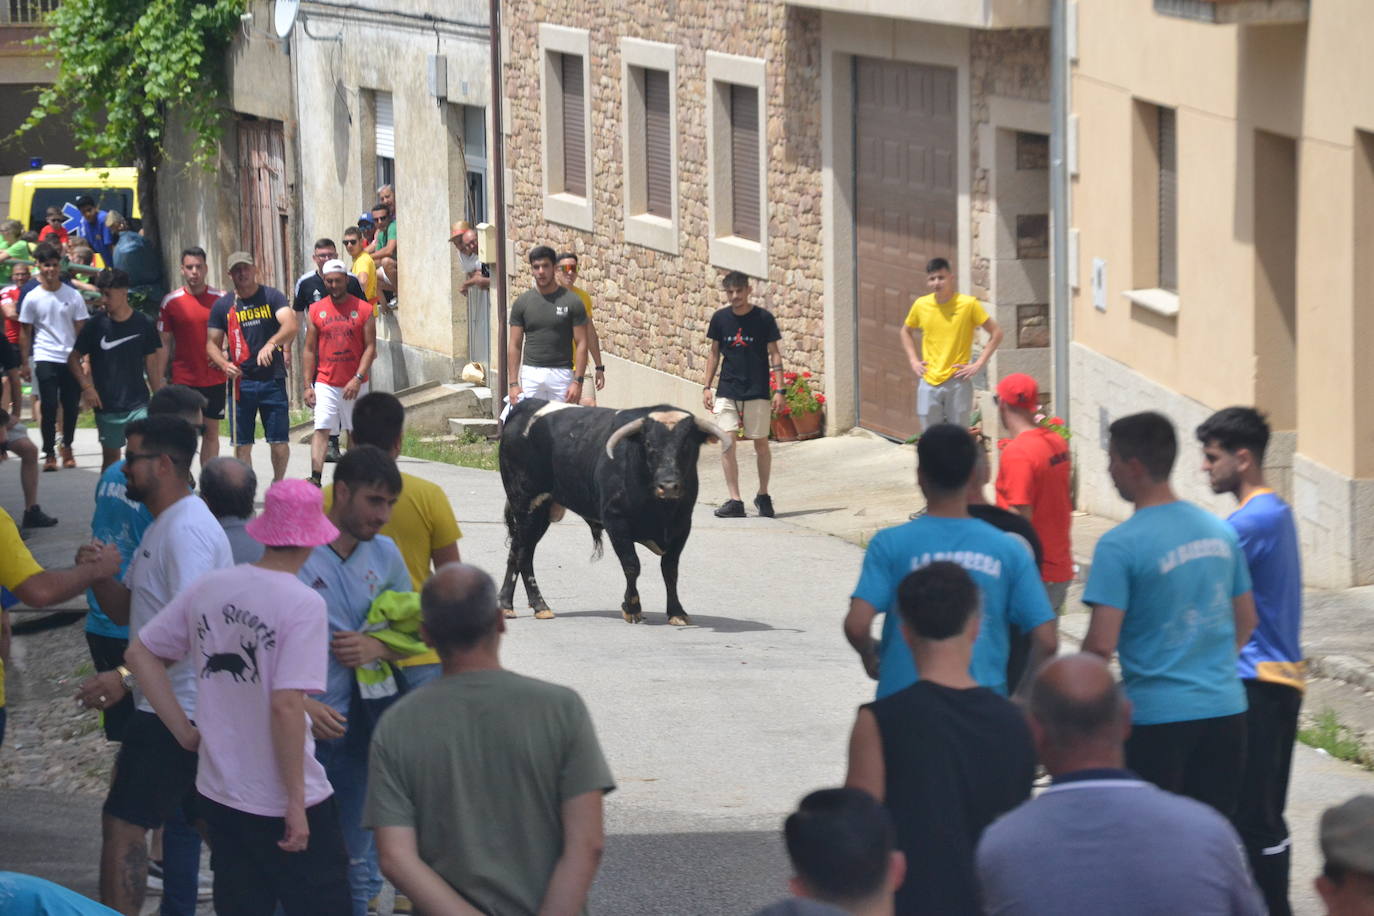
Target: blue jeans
[
  {"x": 345, "y": 763},
  {"x": 261, "y": 397},
  {"x": 180, "y": 866}
]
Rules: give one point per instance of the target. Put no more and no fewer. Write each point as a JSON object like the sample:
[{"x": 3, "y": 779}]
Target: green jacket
[{"x": 394, "y": 618}]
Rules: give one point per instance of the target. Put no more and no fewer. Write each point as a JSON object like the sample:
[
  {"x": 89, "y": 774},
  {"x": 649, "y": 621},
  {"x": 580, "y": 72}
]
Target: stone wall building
[{"x": 872, "y": 142}]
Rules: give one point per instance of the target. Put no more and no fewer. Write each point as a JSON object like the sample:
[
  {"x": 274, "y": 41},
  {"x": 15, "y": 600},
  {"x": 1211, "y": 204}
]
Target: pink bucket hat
[{"x": 292, "y": 516}]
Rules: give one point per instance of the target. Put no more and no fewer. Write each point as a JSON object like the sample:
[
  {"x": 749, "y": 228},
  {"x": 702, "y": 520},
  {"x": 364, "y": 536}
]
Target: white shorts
[
  {"x": 541, "y": 382},
  {"x": 756, "y": 415},
  {"x": 332, "y": 412}
]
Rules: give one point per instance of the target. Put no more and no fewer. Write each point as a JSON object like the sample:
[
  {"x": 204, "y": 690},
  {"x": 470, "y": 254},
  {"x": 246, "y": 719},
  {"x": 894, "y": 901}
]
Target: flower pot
[
  {"x": 808, "y": 425},
  {"x": 783, "y": 430}
]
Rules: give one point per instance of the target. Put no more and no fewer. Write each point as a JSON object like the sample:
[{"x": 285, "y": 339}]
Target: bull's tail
[{"x": 597, "y": 547}]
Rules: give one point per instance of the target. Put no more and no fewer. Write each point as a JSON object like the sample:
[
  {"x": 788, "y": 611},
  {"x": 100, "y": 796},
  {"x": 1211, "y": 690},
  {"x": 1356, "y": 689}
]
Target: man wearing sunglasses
[
  {"x": 383, "y": 247},
  {"x": 363, "y": 268},
  {"x": 567, "y": 278}
]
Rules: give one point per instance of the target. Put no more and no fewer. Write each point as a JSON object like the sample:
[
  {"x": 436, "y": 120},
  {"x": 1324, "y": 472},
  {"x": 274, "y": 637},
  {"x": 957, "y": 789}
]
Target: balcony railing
[
  {"x": 25, "y": 12},
  {"x": 1244, "y": 12}
]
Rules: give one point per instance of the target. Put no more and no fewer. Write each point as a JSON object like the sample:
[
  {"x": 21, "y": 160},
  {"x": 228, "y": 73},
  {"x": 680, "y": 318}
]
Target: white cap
[{"x": 334, "y": 266}]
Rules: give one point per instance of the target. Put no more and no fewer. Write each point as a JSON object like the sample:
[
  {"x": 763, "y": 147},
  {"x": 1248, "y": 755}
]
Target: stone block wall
[{"x": 652, "y": 308}]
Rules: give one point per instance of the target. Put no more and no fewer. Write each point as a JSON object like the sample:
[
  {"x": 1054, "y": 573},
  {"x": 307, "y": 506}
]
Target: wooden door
[
  {"x": 263, "y": 214},
  {"x": 906, "y": 211}
]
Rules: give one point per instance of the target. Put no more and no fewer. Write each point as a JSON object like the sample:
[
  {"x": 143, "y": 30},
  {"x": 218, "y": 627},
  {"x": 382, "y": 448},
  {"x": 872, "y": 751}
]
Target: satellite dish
[{"x": 284, "y": 17}]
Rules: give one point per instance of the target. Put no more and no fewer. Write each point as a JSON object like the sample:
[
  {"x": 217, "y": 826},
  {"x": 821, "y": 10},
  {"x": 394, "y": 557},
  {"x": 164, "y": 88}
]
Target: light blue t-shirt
[
  {"x": 120, "y": 521},
  {"x": 34, "y": 896},
  {"x": 1269, "y": 539},
  {"x": 1173, "y": 569},
  {"x": 1001, "y": 566},
  {"x": 348, "y": 588}
]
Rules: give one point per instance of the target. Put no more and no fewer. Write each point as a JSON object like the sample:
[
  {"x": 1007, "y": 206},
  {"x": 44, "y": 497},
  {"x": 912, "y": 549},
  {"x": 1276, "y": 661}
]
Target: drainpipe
[
  {"x": 498, "y": 187},
  {"x": 1059, "y": 205}
]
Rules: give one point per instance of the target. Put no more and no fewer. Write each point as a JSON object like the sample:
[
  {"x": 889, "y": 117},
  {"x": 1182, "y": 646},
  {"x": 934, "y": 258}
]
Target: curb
[{"x": 1343, "y": 668}]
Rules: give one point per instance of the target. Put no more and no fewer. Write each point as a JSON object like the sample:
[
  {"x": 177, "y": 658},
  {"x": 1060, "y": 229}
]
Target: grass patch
[
  {"x": 469, "y": 450},
  {"x": 1328, "y": 733},
  {"x": 84, "y": 670}
]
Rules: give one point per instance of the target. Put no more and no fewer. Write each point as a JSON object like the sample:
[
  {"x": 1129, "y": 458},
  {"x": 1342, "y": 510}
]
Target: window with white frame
[
  {"x": 649, "y": 139},
  {"x": 565, "y": 78},
  {"x": 737, "y": 162}
]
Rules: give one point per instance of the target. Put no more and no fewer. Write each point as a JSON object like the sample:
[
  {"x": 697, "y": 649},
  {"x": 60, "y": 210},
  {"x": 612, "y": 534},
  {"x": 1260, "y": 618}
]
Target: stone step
[
  {"x": 480, "y": 426},
  {"x": 469, "y": 400}
]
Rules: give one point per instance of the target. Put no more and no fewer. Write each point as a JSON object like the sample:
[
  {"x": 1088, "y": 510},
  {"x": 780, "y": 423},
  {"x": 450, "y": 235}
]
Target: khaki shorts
[{"x": 757, "y": 415}]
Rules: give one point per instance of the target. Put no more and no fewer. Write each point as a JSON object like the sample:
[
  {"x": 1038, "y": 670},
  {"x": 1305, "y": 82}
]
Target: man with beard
[
  {"x": 340, "y": 344},
  {"x": 349, "y": 573},
  {"x": 154, "y": 775}
]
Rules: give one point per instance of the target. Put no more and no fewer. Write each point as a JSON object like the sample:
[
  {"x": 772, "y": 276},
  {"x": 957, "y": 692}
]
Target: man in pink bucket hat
[{"x": 260, "y": 638}]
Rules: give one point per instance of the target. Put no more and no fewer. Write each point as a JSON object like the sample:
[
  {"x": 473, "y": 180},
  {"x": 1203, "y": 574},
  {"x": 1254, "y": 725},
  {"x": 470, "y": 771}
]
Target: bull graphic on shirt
[{"x": 243, "y": 668}]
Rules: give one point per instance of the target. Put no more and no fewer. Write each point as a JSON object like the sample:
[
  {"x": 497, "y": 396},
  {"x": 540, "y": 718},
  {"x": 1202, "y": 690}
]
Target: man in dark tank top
[{"x": 945, "y": 755}]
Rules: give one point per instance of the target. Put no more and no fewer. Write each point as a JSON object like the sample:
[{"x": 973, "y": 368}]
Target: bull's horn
[
  {"x": 727, "y": 442},
  {"x": 629, "y": 429}
]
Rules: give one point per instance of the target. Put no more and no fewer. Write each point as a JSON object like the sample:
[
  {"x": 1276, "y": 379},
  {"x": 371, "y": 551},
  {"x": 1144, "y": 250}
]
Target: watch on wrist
[
  {"x": 579, "y": 379},
  {"x": 600, "y": 368},
  {"x": 126, "y": 677},
  {"x": 359, "y": 376}
]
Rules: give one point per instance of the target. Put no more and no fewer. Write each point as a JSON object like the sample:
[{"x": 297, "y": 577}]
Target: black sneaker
[
  {"x": 332, "y": 454},
  {"x": 315, "y": 480},
  {"x": 764, "y": 503},
  {"x": 731, "y": 508},
  {"x": 34, "y": 517}
]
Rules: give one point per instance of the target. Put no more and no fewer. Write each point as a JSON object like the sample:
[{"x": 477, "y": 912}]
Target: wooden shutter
[
  {"x": 1168, "y": 201},
  {"x": 574, "y": 127},
  {"x": 744, "y": 161},
  {"x": 658, "y": 147},
  {"x": 386, "y": 127}
]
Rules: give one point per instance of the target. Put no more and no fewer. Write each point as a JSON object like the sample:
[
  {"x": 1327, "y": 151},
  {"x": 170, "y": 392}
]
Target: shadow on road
[
  {"x": 799, "y": 512},
  {"x": 699, "y": 621}
]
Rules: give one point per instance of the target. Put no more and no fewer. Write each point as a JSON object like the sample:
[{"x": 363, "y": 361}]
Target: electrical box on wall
[
  {"x": 437, "y": 71},
  {"x": 486, "y": 243}
]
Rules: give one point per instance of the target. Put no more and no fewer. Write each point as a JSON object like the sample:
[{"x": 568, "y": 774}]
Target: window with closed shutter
[
  {"x": 1168, "y": 201},
  {"x": 574, "y": 126},
  {"x": 386, "y": 127},
  {"x": 744, "y": 162},
  {"x": 658, "y": 136}
]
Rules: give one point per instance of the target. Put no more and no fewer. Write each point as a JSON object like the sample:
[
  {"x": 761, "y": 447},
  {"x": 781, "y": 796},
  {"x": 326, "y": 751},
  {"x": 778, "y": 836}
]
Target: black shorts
[
  {"x": 214, "y": 401},
  {"x": 9, "y": 355},
  {"x": 153, "y": 774},
  {"x": 107, "y": 652},
  {"x": 253, "y": 874}
]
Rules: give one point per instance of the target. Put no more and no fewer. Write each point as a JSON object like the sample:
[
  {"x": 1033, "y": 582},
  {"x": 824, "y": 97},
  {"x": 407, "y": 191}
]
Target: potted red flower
[{"x": 804, "y": 407}]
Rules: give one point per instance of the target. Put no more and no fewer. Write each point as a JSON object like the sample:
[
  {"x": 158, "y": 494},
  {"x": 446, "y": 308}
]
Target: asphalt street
[{"x": 713, "y": 731}]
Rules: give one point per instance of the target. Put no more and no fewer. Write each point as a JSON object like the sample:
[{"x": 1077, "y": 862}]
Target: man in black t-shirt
[
  {"x": 256, "y": 322},
  {"x": 946, "y": 756},
  {"x": 744, "y": 341},
  {"x": 310, "y": 287},
  {"x": 548, "y": 337},
  {"x": 121, "y": 346}
]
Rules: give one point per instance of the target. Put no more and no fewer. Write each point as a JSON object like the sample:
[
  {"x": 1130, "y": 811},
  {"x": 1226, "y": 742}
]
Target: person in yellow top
[
  {"x": 422, "y": 522},
  {"x": 567, "y": 276},
  {"x": 21, "y": 575},
  {"x": 941, "y": 325},
  {"x": 364, "y": 268}
]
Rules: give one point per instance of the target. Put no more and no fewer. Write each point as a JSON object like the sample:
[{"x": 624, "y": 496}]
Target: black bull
[{"x": 631, "y": 473}]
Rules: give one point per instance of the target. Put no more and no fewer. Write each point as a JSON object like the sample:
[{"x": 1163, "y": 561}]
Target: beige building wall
[
  {"x": 652, "y": 304},
  {"x": 1270, "y": 223}
]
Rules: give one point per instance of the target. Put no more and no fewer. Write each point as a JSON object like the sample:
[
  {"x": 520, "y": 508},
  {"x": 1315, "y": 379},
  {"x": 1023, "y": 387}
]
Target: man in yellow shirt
[
  {"x": 364, "y": 268},
  {"x": 31, "y": 584},
  {"x": 422, "y": 522},
  {"x": 567, "y": 277},
  {"x": 941, "y": 325}
]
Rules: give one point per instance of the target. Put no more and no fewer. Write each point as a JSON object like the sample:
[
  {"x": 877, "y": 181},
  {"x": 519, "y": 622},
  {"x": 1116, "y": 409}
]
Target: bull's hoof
[
  {"x": 544, "y": 614},
  {"x": 508, "y": 613},
  {"x": 632, "y": 616},
  {"x": 679, "y": 620}
]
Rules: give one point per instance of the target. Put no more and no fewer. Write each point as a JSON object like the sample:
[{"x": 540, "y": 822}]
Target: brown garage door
[{"x": 906, "y": 206}]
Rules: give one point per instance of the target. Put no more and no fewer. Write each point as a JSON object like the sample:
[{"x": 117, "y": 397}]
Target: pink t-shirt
[{"x": 249, "y": 631}]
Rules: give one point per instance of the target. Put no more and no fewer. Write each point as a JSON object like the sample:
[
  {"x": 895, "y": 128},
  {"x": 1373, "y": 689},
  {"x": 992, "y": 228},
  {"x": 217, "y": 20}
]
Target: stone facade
[{"x": 652, "y": 308}]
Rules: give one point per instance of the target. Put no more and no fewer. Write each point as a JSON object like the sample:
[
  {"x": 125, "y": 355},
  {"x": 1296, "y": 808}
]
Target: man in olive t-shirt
[
  {"x": 549, "y": 323},
  {"x": 470, "y": 803}
]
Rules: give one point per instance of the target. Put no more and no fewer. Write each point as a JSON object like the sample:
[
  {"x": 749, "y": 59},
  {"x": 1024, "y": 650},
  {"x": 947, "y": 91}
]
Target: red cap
[{"x": 1019, "y": 390}]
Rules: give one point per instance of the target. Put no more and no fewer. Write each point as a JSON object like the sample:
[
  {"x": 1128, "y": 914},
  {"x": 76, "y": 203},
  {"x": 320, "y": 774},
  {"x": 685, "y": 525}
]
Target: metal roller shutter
[
  {"x": 658, "y": 165},
  {"x": 574, "y": 127},
  {"x": 386, "y": 127},
  {"x": 744, "y": 161}
]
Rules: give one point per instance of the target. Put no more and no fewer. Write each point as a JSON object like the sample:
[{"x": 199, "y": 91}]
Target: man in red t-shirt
[
  {"x": 340, "y": 344},
  {"x": 1033, "y": 480},
  {"x": 183, "y": 322}
]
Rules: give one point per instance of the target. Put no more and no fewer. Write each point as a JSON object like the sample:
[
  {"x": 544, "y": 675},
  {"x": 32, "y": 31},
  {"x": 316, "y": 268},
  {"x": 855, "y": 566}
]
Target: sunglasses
[
  {"x": 351, "y": 241},
  {"x": 568, "y": 270}
]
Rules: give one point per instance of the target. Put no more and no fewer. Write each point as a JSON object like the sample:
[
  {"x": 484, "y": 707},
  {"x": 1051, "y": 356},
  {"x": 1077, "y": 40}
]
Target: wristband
[
  {"x": 579, "y": 379},
  {"x": 513, "y": 385},
  {"x": 600, "y": 368},
  {"x": 359, "y": 377}
]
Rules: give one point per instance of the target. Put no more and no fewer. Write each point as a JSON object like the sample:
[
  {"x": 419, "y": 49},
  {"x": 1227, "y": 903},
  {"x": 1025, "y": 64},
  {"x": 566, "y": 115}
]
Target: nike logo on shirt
[{"x": 111, "y": 344}]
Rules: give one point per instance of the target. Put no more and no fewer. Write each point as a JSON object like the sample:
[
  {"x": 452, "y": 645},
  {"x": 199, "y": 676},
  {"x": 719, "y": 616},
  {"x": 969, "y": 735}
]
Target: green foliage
[
  {"x": 469, "y": 450},
  {"x": 1328, "y": 733},
  {"x": 123, "y": 65}
]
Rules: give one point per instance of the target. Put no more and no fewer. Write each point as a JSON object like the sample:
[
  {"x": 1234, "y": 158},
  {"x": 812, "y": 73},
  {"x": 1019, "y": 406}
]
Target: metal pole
[
  {"x": 1059, "y": 206},
  {"x": 498, "y": 183}
]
